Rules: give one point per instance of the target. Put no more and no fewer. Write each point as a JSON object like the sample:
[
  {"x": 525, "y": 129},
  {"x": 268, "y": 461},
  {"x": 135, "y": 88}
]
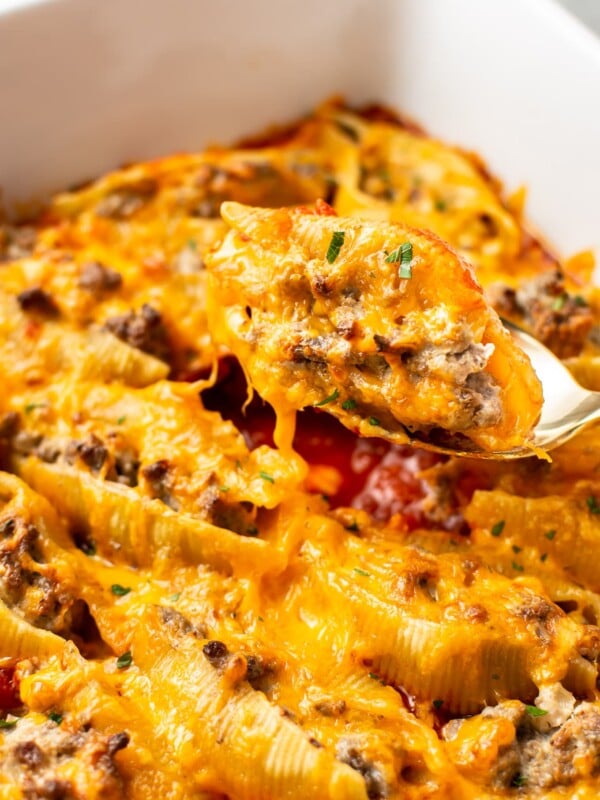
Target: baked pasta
[{"x": 195, "y": 603}]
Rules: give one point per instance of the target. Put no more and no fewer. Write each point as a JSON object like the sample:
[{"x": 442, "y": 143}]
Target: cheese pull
[{"x": 382, "y": 325}]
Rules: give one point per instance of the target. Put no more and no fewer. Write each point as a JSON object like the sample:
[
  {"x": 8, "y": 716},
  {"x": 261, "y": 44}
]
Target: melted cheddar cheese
[
  {"x": 190, "y": 612},
  {"x": 328, "y": 311}
]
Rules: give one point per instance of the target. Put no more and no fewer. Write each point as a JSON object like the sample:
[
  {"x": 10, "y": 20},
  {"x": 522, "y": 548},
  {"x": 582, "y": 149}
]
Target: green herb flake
[
  {"x": 333, "y": 251},
  {"x": 440, "y": 205},
  {"x": 7, "y": 723},
  {"x": 437, "y": 704},
  {"x": 592, "y": 505},
  {"x": 559, "y": 302},
  {"x": 516, "y": 549},
  {"x": 375, "y": 422},
  {"x": 260, "y": 619},
  {"x": 404, "y": 255},
  {"x": 174, "y": 597},
  {"x": 251, "y": 530},
  {"x": 124, "y": 660},
  {"x": 543, "y": 557},
  {"x": 550, "y": 535},
  {"x": 329, "y": 399},
  {"x": 580, "y": 301},
  {"x": 121, "y": 420},
  {"x": 347, "y": 130},
  {"x": 192, "y": 244},
  {"x": 534, "y": 711},
  {"x": 498, "y": 528},
  {"x": 519, "y": 780},
  {"x": 266, "y": 477},
  {"x": 120, "y": 591},
  {"x": 362, "y": 572},
  {"x": 32, "y": 406},
  {"x": 517, "y": 567},
  {"x": 55, "y": 717},
  {"x": 349, "y": 404},
  {"x": 223, "y": 488}
]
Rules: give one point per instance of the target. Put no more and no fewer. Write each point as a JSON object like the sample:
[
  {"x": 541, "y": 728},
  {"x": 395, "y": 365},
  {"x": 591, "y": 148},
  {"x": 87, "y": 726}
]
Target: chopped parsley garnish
[
  {"x": 266, "y": 477},
  {"x": 349, "y": 404},
  {"x": 348, "y": 130},
  {"x": 329, "y": 399},
  {"x": 559, "y": 302},
  {"x": 223, "y": 488},
  {"x": 174, "y": 597},
  {"x": 440, "y": 205},
  {"x": 543, "y": 557},
  {"x": 55, "y": 717},
  {"x": 516, "y": 549},
  {"x": 32, "y": 406},
  {"x": 498, "y": 528},
  {"x": 519, "y": 780},
  {"x": 333, "y": 251},
  {"x": 362, "y": 572},
  {"x": 404, "y": 255},
  {"x": 192, "y": 244},
  {"x": 125, "y": 660},
  {"x": 120, "y": 591},
  {"x": 374, "y": 421},
  {"x": 7, "y": 723},
  {"x": 121, "y": 420},
  {"x": 407, "y": 256},
  {"x": 592, "y": 504},
  {"x": 550, "y": 535},
  {"x": 517, "y": 567},
  {"x": 534, "y": 711},
  {"x": 579, "y": 301},
  {"x": 437, "y": 704}
]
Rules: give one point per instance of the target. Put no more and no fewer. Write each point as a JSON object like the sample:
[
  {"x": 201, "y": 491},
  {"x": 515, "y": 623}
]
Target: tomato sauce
[
  {"x": 376, "y": 476},
  {"x": 9, "y": 689}
]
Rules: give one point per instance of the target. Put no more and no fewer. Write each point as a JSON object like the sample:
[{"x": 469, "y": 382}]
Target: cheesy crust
[{"x": 189, "y": 611}]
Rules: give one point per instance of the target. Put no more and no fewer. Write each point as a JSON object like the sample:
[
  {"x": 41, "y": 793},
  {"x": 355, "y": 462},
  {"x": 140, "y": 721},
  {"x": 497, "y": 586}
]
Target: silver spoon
[{"x": 568, "y": 407}]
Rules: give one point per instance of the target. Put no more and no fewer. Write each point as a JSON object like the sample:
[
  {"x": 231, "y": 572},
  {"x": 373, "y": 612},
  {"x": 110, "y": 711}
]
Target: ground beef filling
[
  {"x": 557, "y": 748},
  {"x": 561, "y": 321},
  {"x": 143, "y": 329},
  {"x": 33, "y": 756}
]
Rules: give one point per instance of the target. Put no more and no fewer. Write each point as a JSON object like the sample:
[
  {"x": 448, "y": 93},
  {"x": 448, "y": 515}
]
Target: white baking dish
[{"x": 87, "y": 85}]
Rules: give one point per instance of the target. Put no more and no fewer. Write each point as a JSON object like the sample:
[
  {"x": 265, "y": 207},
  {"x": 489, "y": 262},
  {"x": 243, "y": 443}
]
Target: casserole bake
[{"x": 186, "y": 608}]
